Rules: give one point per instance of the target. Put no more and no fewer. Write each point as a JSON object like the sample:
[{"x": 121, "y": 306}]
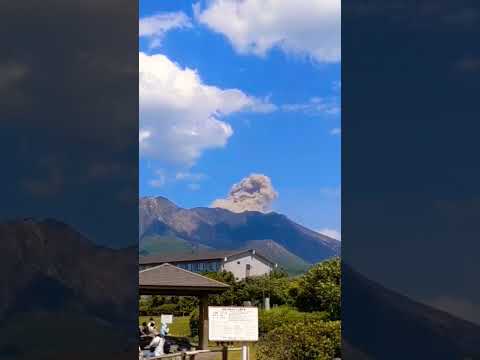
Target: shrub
[
  {"x": 186, "y": 305},
  {"x": 304, "y": 340},
  {"x": 319, "y": 289},
  {"x": 194, "y": 323},
  {"x": 274, "y": 285},
  {"x": 274, "y": 318},
  {"x": 167, "y": 309}
]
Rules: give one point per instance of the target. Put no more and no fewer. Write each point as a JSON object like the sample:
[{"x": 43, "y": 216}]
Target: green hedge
[
  {"x": 276, "y": 317},
  {"x": 303, "y": 340}
]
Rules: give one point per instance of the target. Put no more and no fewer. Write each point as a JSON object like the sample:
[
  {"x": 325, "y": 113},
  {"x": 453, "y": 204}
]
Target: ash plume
[{"x": 253, "y": 193}]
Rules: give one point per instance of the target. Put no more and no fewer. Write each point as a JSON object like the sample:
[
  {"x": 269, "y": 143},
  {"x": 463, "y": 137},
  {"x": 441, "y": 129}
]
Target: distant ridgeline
[{"x": 166, "y": 229}]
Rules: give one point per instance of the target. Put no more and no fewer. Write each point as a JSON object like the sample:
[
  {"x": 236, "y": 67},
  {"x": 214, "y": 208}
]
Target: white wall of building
[{"x": 238, "y": 266}]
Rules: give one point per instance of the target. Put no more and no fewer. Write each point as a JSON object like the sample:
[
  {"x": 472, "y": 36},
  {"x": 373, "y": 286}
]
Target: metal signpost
[{"x": 233, "y": 323}]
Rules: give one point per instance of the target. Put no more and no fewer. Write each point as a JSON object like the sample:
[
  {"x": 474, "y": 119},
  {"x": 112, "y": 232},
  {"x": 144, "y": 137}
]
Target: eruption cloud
[{"x": 253, "y": 193}]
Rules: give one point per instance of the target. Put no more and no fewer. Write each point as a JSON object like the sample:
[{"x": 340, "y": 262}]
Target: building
[{"x": 242, "y": 263}]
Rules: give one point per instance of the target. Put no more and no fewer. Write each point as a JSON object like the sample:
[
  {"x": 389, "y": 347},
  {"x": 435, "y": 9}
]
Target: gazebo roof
[{"x": 167, "y": 279}]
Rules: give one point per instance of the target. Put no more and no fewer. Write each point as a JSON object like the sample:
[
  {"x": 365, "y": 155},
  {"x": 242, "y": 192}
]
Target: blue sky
[{"x": 220, "y": 100}]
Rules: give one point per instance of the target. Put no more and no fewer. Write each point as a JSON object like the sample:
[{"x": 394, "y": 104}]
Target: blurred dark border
[
  {"x": 410, "y": 172},
  {"x": 69, "y": 184}
]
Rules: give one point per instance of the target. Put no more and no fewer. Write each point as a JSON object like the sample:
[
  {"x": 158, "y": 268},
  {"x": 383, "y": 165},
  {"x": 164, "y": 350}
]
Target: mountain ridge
[
  {"x": 222, "y": 229},
  {"x": 51, "y": 272},
  {"x": 368, "y": 308}
]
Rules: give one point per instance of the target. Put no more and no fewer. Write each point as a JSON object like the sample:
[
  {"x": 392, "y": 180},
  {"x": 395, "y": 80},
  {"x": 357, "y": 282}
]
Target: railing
[{"x": 190, "y": 355}]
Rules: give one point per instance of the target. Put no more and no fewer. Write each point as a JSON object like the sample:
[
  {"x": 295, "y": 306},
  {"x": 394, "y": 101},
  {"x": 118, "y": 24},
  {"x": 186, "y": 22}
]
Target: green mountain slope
[
  {"x": 168, "y": 244},
  {"x": 291, "y": 263}
]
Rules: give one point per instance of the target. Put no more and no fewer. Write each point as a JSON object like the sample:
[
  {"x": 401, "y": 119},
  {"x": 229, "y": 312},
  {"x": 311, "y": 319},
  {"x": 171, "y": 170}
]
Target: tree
[{"x": 319, "y": 289}]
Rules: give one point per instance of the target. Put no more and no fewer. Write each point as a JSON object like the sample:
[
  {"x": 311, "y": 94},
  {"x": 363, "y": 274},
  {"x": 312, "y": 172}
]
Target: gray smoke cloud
[{"x": 253, "y": 193}]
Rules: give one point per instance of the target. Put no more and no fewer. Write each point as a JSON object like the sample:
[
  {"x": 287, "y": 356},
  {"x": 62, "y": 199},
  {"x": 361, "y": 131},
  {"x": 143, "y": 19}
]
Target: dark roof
[
  {"x": 208, "y": 255},
  {"x": 169, "y": 279}
]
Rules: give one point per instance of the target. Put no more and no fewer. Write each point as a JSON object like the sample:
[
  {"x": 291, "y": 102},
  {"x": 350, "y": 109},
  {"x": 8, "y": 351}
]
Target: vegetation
[
  {"x": 157, "y": 305},
  {"x": 302, "y": 340},
  {"x": 304, "y": 325},
  {"x": 319, "y": 289},
  {"x": 269, "y": 320},
  {"x": 166, "y": 244},
  {"x": 274, "y": 285}
]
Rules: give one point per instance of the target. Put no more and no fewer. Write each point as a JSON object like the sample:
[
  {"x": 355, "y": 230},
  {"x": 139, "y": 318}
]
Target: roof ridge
[
  {"x": 154, "y": 267},
  {"x": 206, "y": 255},
  {"x": 187, "y": 271},
  {"x": 197, "y": 274}
]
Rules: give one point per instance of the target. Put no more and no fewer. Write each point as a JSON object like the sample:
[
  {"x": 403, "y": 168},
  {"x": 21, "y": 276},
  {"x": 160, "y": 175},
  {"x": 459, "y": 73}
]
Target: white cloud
[
  {"x": 333, "y": 233},
  {"x": 253, "y": 193},
  {"x": 189, "y": 176},
  {"x": 315, "y": 106},
  {"x": 159, "y": 180},
  {"x": 305, "y": 28},
  {"x": 335, "y": 131},
  {"x": 154, "y": 27},
  {"x": 180, "y": 116},
  {"x": 161, "y": 177}
]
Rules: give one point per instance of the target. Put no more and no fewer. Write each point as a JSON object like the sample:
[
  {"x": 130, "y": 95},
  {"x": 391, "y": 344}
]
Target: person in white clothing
[
  {"x": 155, "y": 348},
  {"x": 164, "y": 330},
  {"x": 151, "y": 327}
]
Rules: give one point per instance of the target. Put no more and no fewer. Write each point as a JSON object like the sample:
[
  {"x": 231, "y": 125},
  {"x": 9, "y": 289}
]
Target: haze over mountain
[
  {"x": 56, "y": 280},
  {"x": 415, "y": 330},
  {"x": 165, "y": 226}
]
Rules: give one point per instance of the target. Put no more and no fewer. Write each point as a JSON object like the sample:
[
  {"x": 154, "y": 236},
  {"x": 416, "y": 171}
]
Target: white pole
[{"x": 245, "y": 351}]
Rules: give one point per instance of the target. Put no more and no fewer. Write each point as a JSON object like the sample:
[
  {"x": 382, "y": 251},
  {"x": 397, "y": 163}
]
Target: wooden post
[
  {"x": 203, "y": 323},
  {"x": 245, "y": 352},
  {"x": 224, "y": 352}
]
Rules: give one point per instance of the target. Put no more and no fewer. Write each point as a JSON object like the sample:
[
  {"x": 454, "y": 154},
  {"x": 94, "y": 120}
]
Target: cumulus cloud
[
  {"x": 310, "y": 28},
  {"x": 180, "y": 116},
  {"x": 154, "y": 27},
  {"x": 333, "y": 233},
  {"x": 252, "y": 193}
]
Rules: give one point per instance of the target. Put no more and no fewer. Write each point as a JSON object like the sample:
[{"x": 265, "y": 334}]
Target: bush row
[{"x": 301, "y": 340}]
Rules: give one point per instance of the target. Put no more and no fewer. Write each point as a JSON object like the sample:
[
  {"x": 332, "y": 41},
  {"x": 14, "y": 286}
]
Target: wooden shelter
[{"x": 169, "y": 280}]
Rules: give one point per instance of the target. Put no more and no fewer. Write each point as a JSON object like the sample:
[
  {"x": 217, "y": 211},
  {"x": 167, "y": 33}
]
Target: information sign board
[
  {"x": 232, "y": 323},
  {"x": 166, "y": 319}
]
